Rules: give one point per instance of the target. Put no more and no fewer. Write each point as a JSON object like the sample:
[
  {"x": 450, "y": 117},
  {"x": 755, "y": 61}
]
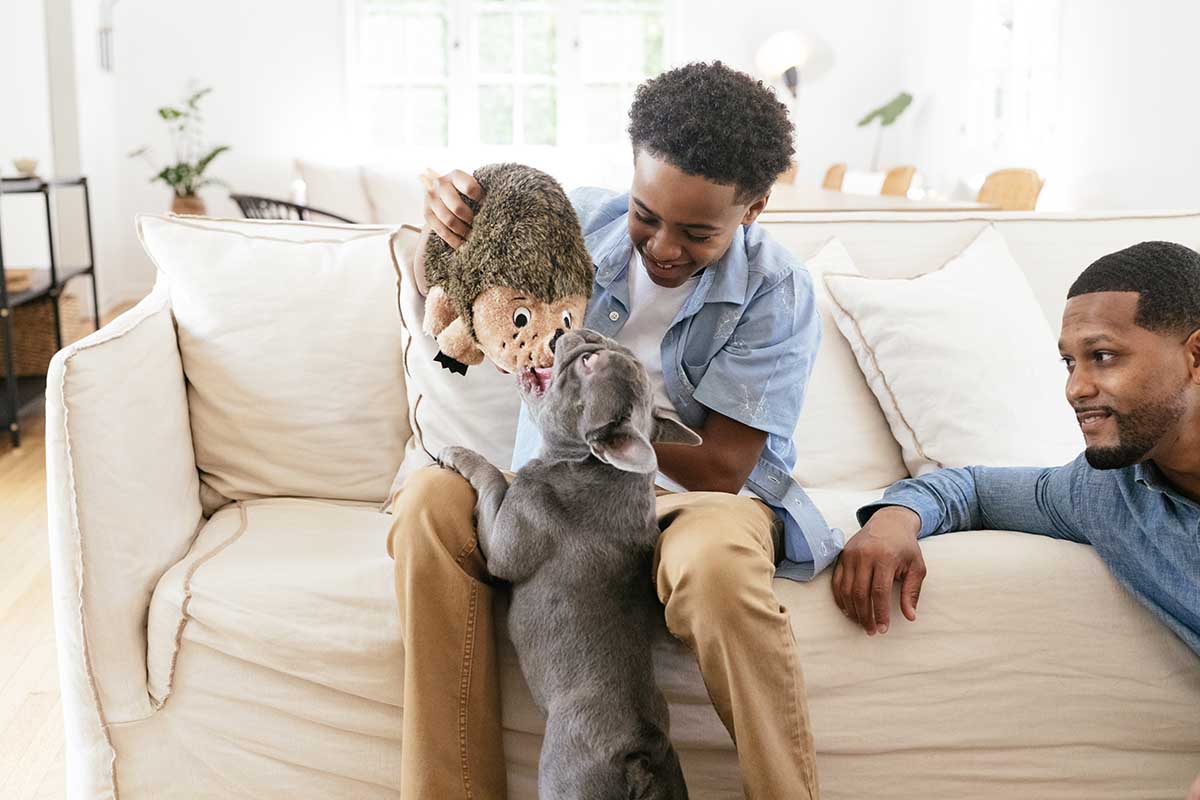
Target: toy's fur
[
  {"x": 524, "y": 259},
  {"x": 575, "y": 533}
]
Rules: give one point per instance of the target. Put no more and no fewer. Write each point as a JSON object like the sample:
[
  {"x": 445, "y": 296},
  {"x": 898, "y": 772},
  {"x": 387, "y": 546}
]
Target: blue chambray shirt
[
  {"x": 743, "y": 345},
  {"x": 1142, "y": 527}
]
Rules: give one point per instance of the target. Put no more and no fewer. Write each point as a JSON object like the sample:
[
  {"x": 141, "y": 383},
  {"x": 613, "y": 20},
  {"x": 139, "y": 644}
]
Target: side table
[{"x": 19, "y": 392}]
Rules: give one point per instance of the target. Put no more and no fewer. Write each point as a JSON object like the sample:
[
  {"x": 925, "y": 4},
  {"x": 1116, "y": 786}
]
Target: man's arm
[
  {"x": 1041, "y": 501},
  {"x": 447, "y": 215}
]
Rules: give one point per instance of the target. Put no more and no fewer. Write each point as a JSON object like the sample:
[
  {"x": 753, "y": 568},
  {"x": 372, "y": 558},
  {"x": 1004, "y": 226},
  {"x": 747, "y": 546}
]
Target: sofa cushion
[
  {"x": 478, "y": 410},
  {"x": 842, "y": 439},
  {"x": 962, "y": 361},
  {"x": 289, "y": 648},
  {"x": 336, "y": 187},
  {"x": 292, "y": 354},
  {"x": 397, "y": 195}
]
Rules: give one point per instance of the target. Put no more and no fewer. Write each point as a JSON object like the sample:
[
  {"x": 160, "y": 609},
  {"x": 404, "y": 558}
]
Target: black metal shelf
[
  {"x": 29, "y": 390},
  {"x": 21, "y": 391}
]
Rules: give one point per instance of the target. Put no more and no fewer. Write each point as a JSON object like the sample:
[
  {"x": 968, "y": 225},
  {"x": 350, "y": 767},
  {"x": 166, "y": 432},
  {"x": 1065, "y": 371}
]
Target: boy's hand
[
  {"x": 1194, "y": 792},
  {"x": 883, "y": 552},
  {"x": 445, "y": 212}
]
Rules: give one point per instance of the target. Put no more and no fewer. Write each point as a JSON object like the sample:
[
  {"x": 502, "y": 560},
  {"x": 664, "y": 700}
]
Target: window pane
[
  {"x": 496, "y": 43},
  {"x": 652, "y": 28},
  {"x": 386, "y": 112},
  {"x": 604, "y": 48},
  {"x": 541, "y": 120},
  {"x": 427, "y": 116},
  {"x": 425, "y": 46},
  {"x": 406, "y": 117},
  {"x": 382, "y": 46},
  {"x": 495, "y": 114},
  {"x": 539, "y": 44},
  {"x": 607, "y": 112}
]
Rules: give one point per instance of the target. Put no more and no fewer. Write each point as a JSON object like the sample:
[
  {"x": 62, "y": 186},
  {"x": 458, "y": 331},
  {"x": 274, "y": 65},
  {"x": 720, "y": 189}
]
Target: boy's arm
[
  {"x": 722, "y": 463},
  {"x": 446, "y": 215},
  {"x": 1033, "y": 500},
  {"x": 754, "y": 386}
]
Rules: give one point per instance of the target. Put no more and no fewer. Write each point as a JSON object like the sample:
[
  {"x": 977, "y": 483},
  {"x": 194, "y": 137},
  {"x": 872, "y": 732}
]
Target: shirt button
[{"x": 614, "y": 316}]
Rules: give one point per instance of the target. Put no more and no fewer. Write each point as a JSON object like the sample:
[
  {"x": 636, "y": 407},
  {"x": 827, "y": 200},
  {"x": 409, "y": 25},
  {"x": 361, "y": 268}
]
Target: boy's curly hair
[{"x": 716, "y": 122}]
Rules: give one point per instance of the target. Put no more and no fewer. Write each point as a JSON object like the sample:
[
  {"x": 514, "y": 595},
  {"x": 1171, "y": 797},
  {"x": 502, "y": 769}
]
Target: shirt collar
[
  {"x": 1148, "y": 475},
  {"x": 724, "y": 282}
]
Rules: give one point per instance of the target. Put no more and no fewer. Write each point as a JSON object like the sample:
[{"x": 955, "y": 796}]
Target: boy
[{"x": 725, "y": 321}]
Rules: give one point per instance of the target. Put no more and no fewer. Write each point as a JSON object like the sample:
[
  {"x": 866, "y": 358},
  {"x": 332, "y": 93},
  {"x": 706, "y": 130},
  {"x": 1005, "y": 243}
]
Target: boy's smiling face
[{"x": 682, "y": 223}]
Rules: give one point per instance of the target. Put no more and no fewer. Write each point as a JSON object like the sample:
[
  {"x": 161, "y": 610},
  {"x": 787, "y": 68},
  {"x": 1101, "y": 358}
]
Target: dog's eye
[
  {"x": 521, "y": 317},
  {"x": 586, "y": 358},
  {"x": 567, "y": 320}
]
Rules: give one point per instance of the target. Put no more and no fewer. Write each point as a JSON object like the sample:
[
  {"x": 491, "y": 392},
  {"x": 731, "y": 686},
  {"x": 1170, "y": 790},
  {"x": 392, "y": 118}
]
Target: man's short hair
[
  {"x": 715, "y": 122},
  {"x": 1166, "y": 277}
]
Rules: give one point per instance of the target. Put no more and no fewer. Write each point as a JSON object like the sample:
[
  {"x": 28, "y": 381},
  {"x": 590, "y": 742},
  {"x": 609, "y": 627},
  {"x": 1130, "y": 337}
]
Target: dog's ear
[
  {"x": 624, "y": 448},
  {"x": 670, "y": 431}
]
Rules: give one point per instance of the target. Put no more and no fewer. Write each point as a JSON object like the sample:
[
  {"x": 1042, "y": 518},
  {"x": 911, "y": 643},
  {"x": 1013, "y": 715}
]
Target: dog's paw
[{"x": 456, "y": 459}]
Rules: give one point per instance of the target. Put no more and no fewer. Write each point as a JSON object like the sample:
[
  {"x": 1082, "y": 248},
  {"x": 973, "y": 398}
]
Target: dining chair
[
  {"x": 897, "y": 181},
  {"x": 834, "y": 177},
  {"x": 1011, "y": 189}
]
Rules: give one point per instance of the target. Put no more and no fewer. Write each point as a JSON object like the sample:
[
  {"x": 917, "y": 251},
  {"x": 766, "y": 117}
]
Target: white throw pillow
[
  {"x": 962, "y": 361},
  {"x": 397, "y": 195},
  {"x": 292, "y": 354},
  {"x": 478, "y": 410},
  {"x": 843, "y": 439},
  {"x": 339, "y": 188}
]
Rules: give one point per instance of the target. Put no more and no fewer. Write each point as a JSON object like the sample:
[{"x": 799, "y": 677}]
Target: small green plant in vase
[{"x": 185, "y": 125}]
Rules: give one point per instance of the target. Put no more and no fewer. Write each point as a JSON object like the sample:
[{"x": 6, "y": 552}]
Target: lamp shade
[{"x": 805, "y": 52}]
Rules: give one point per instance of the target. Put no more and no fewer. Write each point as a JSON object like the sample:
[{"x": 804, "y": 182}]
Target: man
[
  {"x": 726, "y": 324},
  {"x": 1131, "y": 344}
]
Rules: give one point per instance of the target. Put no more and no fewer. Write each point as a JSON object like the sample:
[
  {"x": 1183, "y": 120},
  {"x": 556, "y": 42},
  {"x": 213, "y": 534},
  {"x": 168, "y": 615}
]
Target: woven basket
[{"x": 33, "y": 333}]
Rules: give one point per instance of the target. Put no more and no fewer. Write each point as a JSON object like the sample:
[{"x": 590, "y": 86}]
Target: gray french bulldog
[{"x": 575, "y": 534}]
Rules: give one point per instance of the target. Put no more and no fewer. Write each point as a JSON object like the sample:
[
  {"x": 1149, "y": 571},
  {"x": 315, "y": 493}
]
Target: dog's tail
[{"x": 652, "y": 772}]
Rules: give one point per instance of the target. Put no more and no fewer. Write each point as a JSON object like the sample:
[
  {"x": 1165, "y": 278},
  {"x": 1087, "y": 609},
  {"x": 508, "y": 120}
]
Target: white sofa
[{"x": 255, "y": 651}]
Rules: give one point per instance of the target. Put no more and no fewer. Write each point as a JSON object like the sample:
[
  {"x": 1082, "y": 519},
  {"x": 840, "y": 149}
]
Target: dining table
[{"x": 791, "y": 198}]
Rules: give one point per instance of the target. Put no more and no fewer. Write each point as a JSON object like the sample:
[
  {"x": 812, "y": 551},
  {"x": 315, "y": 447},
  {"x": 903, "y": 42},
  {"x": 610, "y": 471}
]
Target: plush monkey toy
[{"x": 521, "y": 279}]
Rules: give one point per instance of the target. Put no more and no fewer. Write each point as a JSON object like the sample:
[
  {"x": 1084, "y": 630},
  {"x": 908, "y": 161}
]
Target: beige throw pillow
[
  {"x": 843, "y": 439},
  {"x": 288, "y": 337},
  {"x": 962, "y": 362}
]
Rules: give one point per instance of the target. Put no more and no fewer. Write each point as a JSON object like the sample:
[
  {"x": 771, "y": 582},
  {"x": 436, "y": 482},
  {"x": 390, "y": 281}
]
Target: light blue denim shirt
[
  {"x": 743, "y": 345},
  {"x": 1144, "y": 529}
]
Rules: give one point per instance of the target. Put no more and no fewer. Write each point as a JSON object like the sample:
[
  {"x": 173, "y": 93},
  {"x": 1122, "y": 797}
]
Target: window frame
[{"x": 463, "y": 78}]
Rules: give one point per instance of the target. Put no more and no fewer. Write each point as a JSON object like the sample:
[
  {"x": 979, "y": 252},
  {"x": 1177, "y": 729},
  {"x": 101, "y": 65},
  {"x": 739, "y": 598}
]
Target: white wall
[
  {"x": 861, "y": 34},
  {"x": 277, "y": 70},
  {"x": 24, "y": 126},
  {"x": 1129, "y": 121}
]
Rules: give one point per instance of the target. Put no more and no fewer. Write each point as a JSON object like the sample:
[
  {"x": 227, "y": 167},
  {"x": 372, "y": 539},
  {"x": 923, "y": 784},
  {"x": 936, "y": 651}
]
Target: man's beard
[{"x": 1137, "y": 433}]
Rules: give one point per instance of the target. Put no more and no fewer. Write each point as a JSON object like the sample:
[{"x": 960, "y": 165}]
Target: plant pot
[{"x": 190, "y": 205}]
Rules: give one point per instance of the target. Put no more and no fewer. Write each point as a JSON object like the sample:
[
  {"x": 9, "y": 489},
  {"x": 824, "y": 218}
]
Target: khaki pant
[{"x": 713, "y": 568}]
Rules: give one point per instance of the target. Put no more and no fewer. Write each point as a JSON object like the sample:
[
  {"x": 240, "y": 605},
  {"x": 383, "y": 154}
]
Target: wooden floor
[{"x": 31, "y": 724}]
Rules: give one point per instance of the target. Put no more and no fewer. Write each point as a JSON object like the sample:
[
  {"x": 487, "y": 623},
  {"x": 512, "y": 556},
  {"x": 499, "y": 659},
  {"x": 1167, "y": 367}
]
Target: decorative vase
[{"x": 191, "y": 205}]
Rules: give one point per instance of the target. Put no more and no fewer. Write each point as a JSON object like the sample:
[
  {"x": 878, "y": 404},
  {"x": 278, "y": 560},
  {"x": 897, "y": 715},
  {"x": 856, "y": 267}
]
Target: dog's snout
[{"x": 558, "y": 334}]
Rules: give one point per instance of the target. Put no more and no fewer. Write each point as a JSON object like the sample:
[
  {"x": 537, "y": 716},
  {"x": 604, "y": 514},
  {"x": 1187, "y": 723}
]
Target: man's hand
[
  {"x": 883, "y": 552},
  {"x": 1194, "y": 792}
]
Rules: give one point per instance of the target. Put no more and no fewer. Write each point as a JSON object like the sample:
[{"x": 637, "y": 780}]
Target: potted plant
[
  {"x": 887, "y": 114},
  {"x": 185, "y": 125}
]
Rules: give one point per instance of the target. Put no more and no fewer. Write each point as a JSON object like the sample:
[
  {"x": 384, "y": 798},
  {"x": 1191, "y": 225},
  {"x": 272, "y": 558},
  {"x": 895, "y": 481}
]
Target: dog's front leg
[{"x": 489, "y": 484}]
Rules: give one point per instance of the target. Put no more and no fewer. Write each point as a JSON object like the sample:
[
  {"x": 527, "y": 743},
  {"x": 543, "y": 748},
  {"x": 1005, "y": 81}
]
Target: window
[
  {"x": 504, "y": 73},
  {"x": 1013, "y": 87}
]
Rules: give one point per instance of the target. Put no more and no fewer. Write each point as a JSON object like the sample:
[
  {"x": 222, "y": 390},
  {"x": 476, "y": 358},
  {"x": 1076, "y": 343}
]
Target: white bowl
[{"x": 26, "y": 167}]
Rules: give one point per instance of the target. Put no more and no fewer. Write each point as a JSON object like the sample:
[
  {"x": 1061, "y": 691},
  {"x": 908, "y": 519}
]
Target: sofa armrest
[{"x": 123, "y": 501}]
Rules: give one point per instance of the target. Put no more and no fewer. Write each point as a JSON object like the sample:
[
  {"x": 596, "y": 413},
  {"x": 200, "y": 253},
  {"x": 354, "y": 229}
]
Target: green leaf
[
  {"x": 197, "y": 96},
  {"x": 166, "y": 112},
  {"x": 889, "y": 111},
  {"x": 203, "y": 163}
]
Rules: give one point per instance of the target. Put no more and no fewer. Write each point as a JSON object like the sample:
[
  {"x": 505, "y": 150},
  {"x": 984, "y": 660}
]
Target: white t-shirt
[{"x": 652, "y": 309}]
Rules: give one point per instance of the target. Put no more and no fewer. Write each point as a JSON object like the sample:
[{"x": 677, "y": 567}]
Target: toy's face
[{"x": 517, "y": 331}]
